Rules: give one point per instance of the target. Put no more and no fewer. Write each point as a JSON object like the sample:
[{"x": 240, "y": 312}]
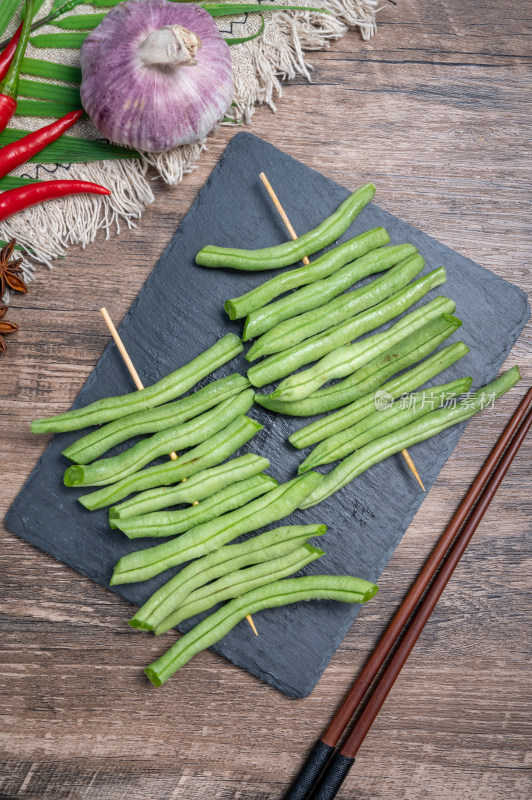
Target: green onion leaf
[
  {"x": 7, "y": 12},
  {"x": 246, "y": 38},
  {"x": 73, "y": 41},
  {"x": 79, "y": 22},
  {"x": 14, "y": 182},
  {"x": 47, "y": 69},
  {"x": 70, "y": 149},
  {"x": 43, "y": 108},
  {"x": 49, "y": 91}
]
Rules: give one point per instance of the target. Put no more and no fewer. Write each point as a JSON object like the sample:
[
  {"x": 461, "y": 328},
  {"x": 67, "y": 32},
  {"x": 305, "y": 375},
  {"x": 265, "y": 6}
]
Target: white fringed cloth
[{"x": 259, "y": 68}]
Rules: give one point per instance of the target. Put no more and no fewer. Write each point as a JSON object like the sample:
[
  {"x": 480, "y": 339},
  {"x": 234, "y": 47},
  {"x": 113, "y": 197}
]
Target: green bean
[
  {"x": 199, "y": 541},
  {"x": 280, "y": 593},
  {"x": 271, "y": 544},
  {"x": 198, "y": 487},
  {"x": 173, "y": 385},
  {"x": 320, "y": 292},
  {"x": 345, "y": 360},
  {"x": 285, "y": 363},
  {"x": 238, "y": 583},
  {"x": 170, "y": 523},
  {"x": 282, "y": 255},
  {"x": 293, "y": 331},
  {"x": 374, "y": 373},
  {"x": 322, "y": 267},
  {"x": 207, "y": 454},
  {"x": 96, "y": 443},
  {"x": 382, "y": 422},
  {"x": 362, "y": 407},
  {"x": 111, "y": 470},
  {"x": 417, "y": 431}
]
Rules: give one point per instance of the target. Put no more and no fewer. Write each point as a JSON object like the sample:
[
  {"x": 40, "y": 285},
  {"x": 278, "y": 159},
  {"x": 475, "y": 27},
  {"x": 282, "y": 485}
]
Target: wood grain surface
[{"x": 436, "y": 111}]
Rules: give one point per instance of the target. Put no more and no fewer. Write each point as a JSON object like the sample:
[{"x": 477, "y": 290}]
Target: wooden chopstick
[
  {"x": 138, "y": 383},
  {"x": 288, "y": 225},
  {"x": 476, "y": 501}
]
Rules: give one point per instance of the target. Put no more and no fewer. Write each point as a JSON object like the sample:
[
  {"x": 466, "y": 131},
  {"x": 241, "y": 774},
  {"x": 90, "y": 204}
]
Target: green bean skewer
[
  {"x": 417, "y": 431},
  {"x": 322, "y": 267},
  {"x": 170, "y": 523},
  {"x": 382, "y": 422},
  {"x": 199, "y": 486},
  {"x": 282, "y": 255},
  {"x": 281, "y": 501},
  {"x": 320, "y": 292},
  {"x": 294, "y": 330},
  {"x": 376, "y": 372},
  {"x": 186, "y": 434},
  {"x": 288, "y": 361},
  {"x": 363, "y": 406},
  {"x": 169, "y": 387},
  {"x": 239, "y": 582},
  {"x": 345, "y": 360},
  {"x": 343, "y": 588},
  {"x": 271, "y": 544},
  {"x": 207, "y": 454},
  {"x": 95, "y": 444}
]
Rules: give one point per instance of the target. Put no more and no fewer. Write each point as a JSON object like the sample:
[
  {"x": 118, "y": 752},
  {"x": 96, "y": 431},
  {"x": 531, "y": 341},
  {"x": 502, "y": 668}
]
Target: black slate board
[{"x": 179, "y": 313}]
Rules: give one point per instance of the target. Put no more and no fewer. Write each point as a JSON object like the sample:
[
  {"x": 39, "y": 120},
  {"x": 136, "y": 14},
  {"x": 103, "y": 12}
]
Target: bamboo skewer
[
  {"x": 138, "y": 383},
  {"x": 282, "y": 213}
]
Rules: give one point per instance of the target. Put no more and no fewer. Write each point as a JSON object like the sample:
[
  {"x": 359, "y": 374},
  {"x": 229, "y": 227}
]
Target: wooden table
[{"x": 433, "y": 110}]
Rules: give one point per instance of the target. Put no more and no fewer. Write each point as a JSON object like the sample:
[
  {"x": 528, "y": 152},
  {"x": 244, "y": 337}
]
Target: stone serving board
[{"x": 179, "y": 313}]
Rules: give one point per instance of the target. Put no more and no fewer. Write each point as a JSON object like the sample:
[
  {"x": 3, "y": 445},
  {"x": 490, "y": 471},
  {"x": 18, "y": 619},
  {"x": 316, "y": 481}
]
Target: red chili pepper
[
  {"x": 16, "y": 200},
  {"x": 17, "y": 153},
  {"x": 6, "y": 56},
  {"x": 9, "y": 87}
]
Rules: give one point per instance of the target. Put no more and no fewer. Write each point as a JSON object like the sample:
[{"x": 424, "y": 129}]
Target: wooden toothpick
[
  {"x": 138, "y": 383},
  {"x": 282, "y": 213},
  {"x": 125, "y": 355}
]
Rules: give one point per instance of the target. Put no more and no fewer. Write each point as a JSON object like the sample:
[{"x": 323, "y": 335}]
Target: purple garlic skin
[{"x": 156, "y": 75}]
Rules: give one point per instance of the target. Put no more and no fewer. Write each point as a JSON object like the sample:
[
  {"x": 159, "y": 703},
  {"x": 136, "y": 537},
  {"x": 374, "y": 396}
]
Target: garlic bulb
[{"x": 156, "y": 74}]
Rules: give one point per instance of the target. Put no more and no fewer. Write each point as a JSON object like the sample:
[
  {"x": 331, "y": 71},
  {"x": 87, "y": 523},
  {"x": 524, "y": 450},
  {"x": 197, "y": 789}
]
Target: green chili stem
[{"x": 9, "y": 86}]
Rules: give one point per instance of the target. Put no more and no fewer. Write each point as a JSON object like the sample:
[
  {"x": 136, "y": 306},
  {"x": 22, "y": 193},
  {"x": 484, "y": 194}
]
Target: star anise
[
  {"x": 5, "y": 328},
  {"x": 9, "y": 270}
]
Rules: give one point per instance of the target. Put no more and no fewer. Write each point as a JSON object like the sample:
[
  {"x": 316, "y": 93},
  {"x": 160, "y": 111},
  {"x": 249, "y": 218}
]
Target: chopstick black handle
[
  {"x": 334, "y": 776},
  {"x": 310, "y": 772}
]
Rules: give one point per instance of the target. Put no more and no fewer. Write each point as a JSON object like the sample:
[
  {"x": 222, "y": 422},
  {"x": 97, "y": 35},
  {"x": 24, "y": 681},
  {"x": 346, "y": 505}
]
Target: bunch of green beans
[
  {"x": 382, "y": 422},
  {"x": 320, "y": 292},
  {"x": 207, "y": 454},
  {"x": 170, "y": 523},
  {"x": 169, "y": 387},
  {"x": 198, "y": 541},
  {"x": 239, "y": 582},
  {"x": 343, "y": 588},
  {"x": 282, "y": 255},
  {"x": 294, "y": 330},
  {"x": 373, "y": 374},
  {"x": 346, "y": 360},
  {"x": 322, "y": 267},
  {"x": 95, "y": 444},
  {"x": 110, "y": 470},
  {"x": 417, "y": 431},
  {"x": 231, "y": 557},
  {"x": 364, "y": 406},
  {"x": 285, "y": 363},
  {"x": 201, "y": 485}
]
